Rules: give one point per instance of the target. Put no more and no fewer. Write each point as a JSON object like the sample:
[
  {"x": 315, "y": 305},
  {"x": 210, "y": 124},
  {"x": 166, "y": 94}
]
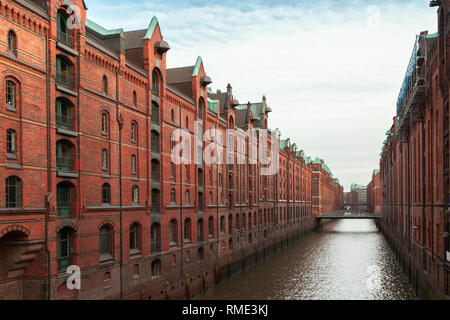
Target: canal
[{"x": 347, "y": 259}]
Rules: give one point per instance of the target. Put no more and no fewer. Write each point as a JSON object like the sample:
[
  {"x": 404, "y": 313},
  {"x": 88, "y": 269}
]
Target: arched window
[
  {"x": 105, "y": 243},
  {"x": 172, "y": 171},
  {"x": 156, "y": 237},
  {"x": 11, "y": 144},
  {"x": 134, "y": 236},
  {"x": 133, "y": 164},
  {"x": 155, "y": 141},
  {"x": 135, "y": 195},
  {"x": 64, "y": 156},
  {"x": 222, "y": 224},
  {"x": 13, "y": 192},
  {"x": 134, "y": 99},
  {"x": 64, "y": 199},
  {"x": 210, "y": 198},
  {"x": 133, "y": 132},
  {"x": 155, "y": 200},
  {"x": 64, "y": 117},
  {"x": 201, "y": 202},
  {"x": 173, "y": 199},
  {"x": 104, "y": 159},
  {"x": 187, "y": 197},
  {"x": 173, "y": 232},
  {"x": 211, "y": 226},
  {"x": 187, "y": 229},
  {"x": 64, "y": 249},
  {"x": 155, "y": 170},
  {"x": 106, "y": 193},
  {"x": 105, "y": 124},
  {"x": 172, "y": 116},
  {"x": 200, "y": 109},
  {"x": 200, "y": 230},
  {"x": 156, "y": 268},
  {"x": 63, "y": 30},
  {"x": 155, "y": 83},
  {"x": 155, "y": 113},
  {"x": 187, "y": 122},
  {"x": 12, "y": 43},
  {"x": 11, "y": 95},
  {"x": 201, "y": 254},
  {"x": 63, "y": 72},
  {"x": 105, "y": 85},
  {"x": 238, "y": 225},
  {"x": 230, "y": 224}
]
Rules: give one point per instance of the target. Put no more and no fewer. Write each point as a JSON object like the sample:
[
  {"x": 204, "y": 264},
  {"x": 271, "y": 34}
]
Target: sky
[{"x": 331, "y": 69}]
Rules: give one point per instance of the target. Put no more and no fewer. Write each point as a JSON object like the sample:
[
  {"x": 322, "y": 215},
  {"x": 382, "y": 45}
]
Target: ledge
[
  {"x": 66, "y": 132},
  {"x": 65, "y": 174},
  {"x": 66, "y": 90},
  {"x": 66, "y": 48}
]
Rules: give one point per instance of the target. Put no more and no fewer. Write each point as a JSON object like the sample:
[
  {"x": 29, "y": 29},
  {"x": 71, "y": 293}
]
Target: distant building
[
  {"x": 374, "y": 193},
  {"x": 358, "y": 197}
]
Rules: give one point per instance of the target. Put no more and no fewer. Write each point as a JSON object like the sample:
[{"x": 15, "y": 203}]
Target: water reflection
[{"x": 348, "y": 259}]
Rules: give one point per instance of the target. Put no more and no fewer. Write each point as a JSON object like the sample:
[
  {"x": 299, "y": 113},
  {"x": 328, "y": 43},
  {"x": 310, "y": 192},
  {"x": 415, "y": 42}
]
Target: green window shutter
[{"x": 58, "y": 69}]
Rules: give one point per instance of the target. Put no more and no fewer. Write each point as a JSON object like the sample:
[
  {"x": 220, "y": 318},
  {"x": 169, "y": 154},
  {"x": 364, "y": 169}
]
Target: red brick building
[
  {"x": 327, "y": 193},
  {"x": 374, "y": 193},
  {"x": 88, "y": 116},
  {"x": 415, "y": 163}
]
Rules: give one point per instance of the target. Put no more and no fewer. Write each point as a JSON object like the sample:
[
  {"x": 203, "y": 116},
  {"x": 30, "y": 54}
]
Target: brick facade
[
  {"x": 415, "y": 162},
  {"x": 88, "y": 116}
]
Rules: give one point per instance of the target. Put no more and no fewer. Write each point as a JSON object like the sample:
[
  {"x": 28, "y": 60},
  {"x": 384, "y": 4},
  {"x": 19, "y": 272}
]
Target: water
[{"x": 347, "y": 259}]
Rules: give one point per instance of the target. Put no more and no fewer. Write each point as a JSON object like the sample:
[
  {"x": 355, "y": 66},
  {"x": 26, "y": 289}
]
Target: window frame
[
  {"x": 11, "y": 95},
  {"x": 11, "y": 144},
  {"x": 106, "y": 194},
  {"x": 13, "y": 184}
]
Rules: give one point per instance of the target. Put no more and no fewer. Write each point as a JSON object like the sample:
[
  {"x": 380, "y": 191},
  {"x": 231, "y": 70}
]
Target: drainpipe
[
  {"x": 49, "y": 176},
  {"x": 120, "y": 184},
  {"x": 424, "y": 192},
  {"x": 181, "y": 208}
]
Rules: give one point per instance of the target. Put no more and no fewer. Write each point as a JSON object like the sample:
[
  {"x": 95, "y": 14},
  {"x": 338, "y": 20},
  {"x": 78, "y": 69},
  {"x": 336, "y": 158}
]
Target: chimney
[{"x": 229, "y": 89}]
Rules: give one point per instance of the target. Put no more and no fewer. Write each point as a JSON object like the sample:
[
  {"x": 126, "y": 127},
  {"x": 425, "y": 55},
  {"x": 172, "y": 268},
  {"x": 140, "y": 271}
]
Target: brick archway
[{"x": 16, "y": 228}]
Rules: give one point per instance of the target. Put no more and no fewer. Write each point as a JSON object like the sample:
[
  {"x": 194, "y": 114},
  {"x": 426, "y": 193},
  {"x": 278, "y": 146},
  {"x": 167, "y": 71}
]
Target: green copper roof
[
  {"x": 213, "y": 105},
  {"x": 430, "y": 36},
  {"x": 151, "y": 28},
  {"x": 198, "y": 63},
  {"x": 283, "y": 144},
  {"x": 102, "y": 31},
  {"x": 317, "y": 161},
  {"x": 376, "y": 171}
]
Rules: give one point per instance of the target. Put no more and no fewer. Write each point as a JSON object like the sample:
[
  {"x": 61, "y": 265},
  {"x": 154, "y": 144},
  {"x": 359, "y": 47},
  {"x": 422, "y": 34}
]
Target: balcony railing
[
  {"x": 64, "y": 38},
  {"x": 64, "y": 209},
  {"x": 64, "y": 122},
  {"x": 156, "y": 246},
  {"x": 64, "y": 164},
  {"x": 64, "y": 263}
]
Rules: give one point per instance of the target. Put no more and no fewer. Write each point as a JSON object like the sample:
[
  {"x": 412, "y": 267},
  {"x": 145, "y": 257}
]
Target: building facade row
[
  {"x": 87, "y": 164},
  {"x": 414, "y": 165}
]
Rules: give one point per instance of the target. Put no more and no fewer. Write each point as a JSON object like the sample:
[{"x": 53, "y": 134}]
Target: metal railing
[
  {"x": 64, "y": 163},
  {"x": 64, "y": 37},
  {"x": 64, "y": 122}
]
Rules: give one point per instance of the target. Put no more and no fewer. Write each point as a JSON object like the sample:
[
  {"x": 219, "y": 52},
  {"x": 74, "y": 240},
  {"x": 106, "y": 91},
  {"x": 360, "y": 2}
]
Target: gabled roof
[
  {"x": 151, "y": 28},
  {"x": 103, "y": 31},
  {"x": 197, "y": 66},
  {"x": 133, "y": 39},
  {"x": 179, "y": 75}
]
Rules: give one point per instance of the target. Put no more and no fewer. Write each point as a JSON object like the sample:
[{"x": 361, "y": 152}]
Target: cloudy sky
[{"x": 331, "y": 69}]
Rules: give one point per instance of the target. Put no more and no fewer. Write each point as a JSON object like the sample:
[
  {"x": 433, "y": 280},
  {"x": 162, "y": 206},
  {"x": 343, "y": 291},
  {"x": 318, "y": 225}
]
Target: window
[
  {"x": 200, "y": 230},
  {"x": 201, "y": 254},
  {"x": 133, "y": 164},
  {"x": 188, "y": 196},
  {"x": 155, "y": 83},
  {"x": 11, "y": 146},
  {"x": 155, "y": 141},
  {"x": 63, "y": 30},
  {"x": 106, "y": 194},
  {"x": 172, "y": 171},
  {"x": 200, "y": 201},
  {"x": 104, "y": 159},
  {"x": 63, "y": 115},
  {"x": 105, "y": 243},
  {"x": 172, "y": 116},
  {"x": 210, "y": 198},
  {"x": 12, "y": 43},
  {"x": 173, "y": 199},
  {"x": 187, "y": 123},
  {"x": 134, "y": 99},
  {"x": 64, "y": 250},
  {"x": 104, "y": 124},
  {"x": 10, "y": 95},
  {"x": 13, "y": 192},
  {"x": 134, "y": 236},
  {"x": 211, "y": 226},
  {"x": 133, "y": 132},
  {"x": 186, "y": 173},
  {"x": 210, "y": 178},
  {"x": 155, "y": 200},
  {"x": 155, "y": 113},
  {"x": 64, "y": 199},
  {"x": 187, "y": 229},
  {"x": 64, "y": 151},
  {"x": 63, "y": 72},
  {"x": 200, "y": 109},
  {"x": 156, "y": 237},
  {"x": 156, "y": 268},
  {"x": 173, "y": 232},
  {"x": 222, "y": 224},
  {"x": 155, "y": 170},
  {"x": 105, "y": 85},
  {"x": 135, "y": 194}
]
